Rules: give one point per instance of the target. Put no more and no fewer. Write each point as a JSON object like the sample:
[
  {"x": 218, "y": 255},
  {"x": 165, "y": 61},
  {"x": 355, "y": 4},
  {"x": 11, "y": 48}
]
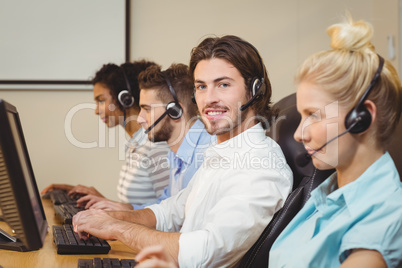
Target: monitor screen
[{"x": 20, "y": 201}]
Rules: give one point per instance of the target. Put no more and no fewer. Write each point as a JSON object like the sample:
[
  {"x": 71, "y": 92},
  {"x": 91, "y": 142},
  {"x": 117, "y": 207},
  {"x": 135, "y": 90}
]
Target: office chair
[
  {"x": 395, "y": 147},
  {"x": 306, "y": 178}
]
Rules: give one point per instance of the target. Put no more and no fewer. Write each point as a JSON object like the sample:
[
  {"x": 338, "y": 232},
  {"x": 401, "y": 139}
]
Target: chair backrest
[
  {"x": 306, "y": 177},
  {"x": 395, "y": 147}
]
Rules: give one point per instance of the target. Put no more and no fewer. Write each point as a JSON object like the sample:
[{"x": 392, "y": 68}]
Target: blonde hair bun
[{"x": 351, "y": 35}]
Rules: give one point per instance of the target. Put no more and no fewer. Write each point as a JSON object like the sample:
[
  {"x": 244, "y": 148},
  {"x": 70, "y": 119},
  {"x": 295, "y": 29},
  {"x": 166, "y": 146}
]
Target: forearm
[
  {"x": 137, "y": 230},
  {"x": 138, "y": 237},
  {"x": 144, "y": 217}
]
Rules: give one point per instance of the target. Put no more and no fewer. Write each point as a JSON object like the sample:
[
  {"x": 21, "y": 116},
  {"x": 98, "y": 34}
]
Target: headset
[
  {"x": 173, "y": 108},
  {"x": 257, "y": 85},
  {"x": 359, "y": 118},
  {"x": 258, "y": 88},
  {"x": 125, "y": 98}
]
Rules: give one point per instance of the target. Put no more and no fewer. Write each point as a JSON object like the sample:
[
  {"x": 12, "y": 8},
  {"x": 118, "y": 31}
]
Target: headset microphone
[
  {"x": 357, "y": 120},
  {"x": 156, "y": 122},
  {"x": 256, "y": 85},
  {"x": 170, "y": 108}
]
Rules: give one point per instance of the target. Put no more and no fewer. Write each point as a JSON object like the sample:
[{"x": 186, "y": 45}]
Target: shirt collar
[{"x": 372, "y": 178}]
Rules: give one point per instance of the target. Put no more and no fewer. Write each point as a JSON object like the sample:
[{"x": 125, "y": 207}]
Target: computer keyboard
[
  {"x": 61, "y": 197},
  {"x": 106, "y": 262},
  {"x": 68, "y": 242},
  {"x": 65, "y": 212}
]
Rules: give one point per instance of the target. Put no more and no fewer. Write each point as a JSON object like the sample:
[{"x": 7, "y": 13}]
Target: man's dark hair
[{"x": 178, "y": 76}]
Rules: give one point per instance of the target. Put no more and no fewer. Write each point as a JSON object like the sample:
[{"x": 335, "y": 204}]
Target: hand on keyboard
[
  {"x": 96, "y": 202},
  {"x": 95, "y": 222},
  {"x": 65, "y": 212},
  {"x": 68, "y": 242},
  {"x": 60, "y": 197},
  {"x": 52, "y": 187},
  {"x": 72, "y": 190},
  {"x": 84, "y": 190}
]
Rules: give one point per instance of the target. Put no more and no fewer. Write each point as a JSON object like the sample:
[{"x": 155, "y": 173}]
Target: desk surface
[{"x": 47, "y": 255}]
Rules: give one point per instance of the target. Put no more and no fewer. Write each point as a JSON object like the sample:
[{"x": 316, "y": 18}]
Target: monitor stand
[{"x": 10, "y": 242}]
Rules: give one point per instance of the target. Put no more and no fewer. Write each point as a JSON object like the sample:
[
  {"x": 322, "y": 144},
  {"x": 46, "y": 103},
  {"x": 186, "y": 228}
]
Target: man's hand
[
  {"x": 137, "y": 233},
  {"x": 96, "y": 202},
  {"x": 95, "y": 222},
  {"x": 52, "y": 187},
  {"x": 73, "y": 190},
  {"x": 84, "y": 190}
]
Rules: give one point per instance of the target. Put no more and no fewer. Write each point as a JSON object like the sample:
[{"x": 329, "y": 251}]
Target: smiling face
[
  {"x": 322, "y": 119},
  {"x": 220, "y": 91},
  {"x": 106, "y": 107}
]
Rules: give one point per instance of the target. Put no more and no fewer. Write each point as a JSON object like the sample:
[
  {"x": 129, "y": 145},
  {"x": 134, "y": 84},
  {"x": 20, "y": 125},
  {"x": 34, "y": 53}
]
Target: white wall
[{"x": 285, "y": 32}]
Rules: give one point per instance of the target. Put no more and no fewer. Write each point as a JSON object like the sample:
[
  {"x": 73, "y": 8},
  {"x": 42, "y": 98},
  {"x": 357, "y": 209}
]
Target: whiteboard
[{"x": 59, "y": 42}]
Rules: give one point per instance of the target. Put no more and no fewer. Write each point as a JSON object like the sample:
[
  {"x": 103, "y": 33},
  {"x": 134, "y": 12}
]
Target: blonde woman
[{"x": 349, "y": 99}]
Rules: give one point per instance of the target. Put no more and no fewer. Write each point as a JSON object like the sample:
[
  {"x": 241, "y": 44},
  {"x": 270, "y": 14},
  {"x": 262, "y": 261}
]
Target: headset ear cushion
[
  {"x": 258, "y": 87},
  {"x": 126, "y": 99},
  {"x": 174, "y": 110},
  {"x": 255, "y": 86},
  {"x": 359, "y": 120}
]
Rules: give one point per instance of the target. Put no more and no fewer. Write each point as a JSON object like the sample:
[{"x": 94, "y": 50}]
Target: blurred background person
[{"x": 145, "y": 172}]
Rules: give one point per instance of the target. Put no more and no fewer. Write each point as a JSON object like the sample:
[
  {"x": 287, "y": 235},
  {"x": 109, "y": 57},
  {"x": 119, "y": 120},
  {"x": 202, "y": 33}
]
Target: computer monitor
[{"x": 20, "y": 202}]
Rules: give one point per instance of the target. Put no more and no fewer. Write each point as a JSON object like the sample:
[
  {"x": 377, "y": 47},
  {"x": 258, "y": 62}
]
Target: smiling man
[{"x": 234, "y": 194}]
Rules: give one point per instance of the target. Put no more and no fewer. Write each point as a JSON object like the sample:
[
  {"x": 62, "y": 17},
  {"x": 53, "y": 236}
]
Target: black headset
[
  {"x": 173, "y": 108},
  {"x": 359, "y": 118},
  {"x": 125, "y": 98},
  {"x": 356, "y": 121},
  {"x": 257, "y": 84}
]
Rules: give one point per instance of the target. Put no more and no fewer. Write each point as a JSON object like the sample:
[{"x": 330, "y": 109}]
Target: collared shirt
[
  {"x": 366, "y": 214},
  {"x": 145, "y": 172},
  {"x": 187, "y": 160},
  {"x": 230, "y": 200}
]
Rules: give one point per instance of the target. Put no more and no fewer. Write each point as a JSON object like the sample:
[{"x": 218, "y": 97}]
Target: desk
[{"x": 47, "y": 255}]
